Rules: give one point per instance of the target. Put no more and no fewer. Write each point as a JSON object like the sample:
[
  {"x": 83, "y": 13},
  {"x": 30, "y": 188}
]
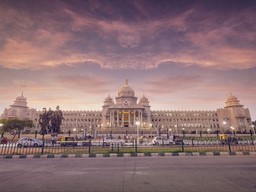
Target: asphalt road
[{"x": 179, "y": 174}]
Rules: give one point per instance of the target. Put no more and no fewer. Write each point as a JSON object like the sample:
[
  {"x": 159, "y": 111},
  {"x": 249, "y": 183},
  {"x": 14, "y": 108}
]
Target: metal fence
[{"x": 94, "y": 148}]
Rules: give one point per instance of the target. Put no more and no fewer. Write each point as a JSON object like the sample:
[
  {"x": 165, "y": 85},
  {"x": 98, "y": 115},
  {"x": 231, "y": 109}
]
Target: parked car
[
  {"x": 109, "y": 140},
  {"x": 68, "y": 141},
  {"x": 230, "y": 140},
  {"x": 162, "y": 141},
  {"x": 29, "y": 142}
]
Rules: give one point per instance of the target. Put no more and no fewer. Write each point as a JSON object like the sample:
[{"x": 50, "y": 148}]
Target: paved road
[{"x": 150, "y": 174}]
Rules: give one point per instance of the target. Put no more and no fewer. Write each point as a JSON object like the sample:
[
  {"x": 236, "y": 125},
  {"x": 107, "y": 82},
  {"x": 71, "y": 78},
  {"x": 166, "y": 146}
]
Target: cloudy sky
[{"x": 183, "y": 55}]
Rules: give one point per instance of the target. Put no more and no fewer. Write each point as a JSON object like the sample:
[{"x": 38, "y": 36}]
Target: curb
[{"x": 127, "y": 155}]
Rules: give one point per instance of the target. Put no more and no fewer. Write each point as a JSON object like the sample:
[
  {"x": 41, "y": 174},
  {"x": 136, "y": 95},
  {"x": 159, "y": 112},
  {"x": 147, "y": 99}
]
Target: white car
[
  {"x": 29, "y": 142},
  {"x": 108, "y": 140},
  {"x": 162, "y": 141}
]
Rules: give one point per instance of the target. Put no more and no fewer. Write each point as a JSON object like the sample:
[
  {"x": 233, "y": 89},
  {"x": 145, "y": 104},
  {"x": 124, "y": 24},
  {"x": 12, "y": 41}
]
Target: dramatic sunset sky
[{"x": 183, "y": 55}]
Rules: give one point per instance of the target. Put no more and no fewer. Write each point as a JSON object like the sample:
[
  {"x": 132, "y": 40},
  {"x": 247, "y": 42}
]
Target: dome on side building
[
  {"x": 108, "y": 101},
  {"x": 20, "y": 101},
  {"x": 232, "y": 101}
]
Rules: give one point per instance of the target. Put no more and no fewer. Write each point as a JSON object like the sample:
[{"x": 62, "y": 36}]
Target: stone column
[
  {"x": 134, "y": 119},
  {"x": 141, "y": 119},
  {"x": 122, "y": 118},
  {"x": 110, "y": 118},
  {"x": 118, "y": 118},
  {"x": 129, "y": 118}
]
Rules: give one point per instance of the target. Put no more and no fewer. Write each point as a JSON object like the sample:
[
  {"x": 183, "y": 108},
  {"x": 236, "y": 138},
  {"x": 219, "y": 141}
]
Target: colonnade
[{"x": 125, "y": 118}]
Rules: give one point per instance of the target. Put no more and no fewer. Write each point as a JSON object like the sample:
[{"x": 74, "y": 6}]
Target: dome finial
[
  {"x": 22, "y": 93},
  {"x": 230, "y": 93},
  {"x": 126, "y": 82}
]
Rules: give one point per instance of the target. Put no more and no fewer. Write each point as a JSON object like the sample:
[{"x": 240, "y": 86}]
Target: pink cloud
[
  {"x": 171, "y": 84},
  {"x": 86, "y": 83}
]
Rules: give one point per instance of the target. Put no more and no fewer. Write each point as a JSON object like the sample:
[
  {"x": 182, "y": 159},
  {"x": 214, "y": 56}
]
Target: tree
[
  {"x": 44, "y": 122},
  {"x": 50, "y": 121},
  {"x": 15, "y": 126},
  {"x": 56, "y": 119}
]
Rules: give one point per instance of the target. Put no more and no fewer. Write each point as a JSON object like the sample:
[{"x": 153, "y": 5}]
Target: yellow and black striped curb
[{"x": 110, "y": 155}]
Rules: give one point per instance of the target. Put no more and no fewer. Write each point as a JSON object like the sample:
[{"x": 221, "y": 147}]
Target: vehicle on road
[
  {"x": 227, "y": 139},
  {"x": 68, "y": 141},
  {"x": 162, "y": 141},
  {"x": 110, "y": 140},
  {"x": 29, "y": 142}
]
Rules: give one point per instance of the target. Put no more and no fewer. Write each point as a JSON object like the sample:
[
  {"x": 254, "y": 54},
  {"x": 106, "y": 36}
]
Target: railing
[{"x": 98, "y": 148}]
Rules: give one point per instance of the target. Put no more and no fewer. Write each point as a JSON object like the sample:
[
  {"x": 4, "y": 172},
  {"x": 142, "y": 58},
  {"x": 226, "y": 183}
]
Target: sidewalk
[{"x": 118, "y": 155}]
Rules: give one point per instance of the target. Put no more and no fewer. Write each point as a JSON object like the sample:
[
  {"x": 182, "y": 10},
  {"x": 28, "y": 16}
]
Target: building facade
[
  {"x": 127, "y": 115},
  {"x": 19, "y": 110}
]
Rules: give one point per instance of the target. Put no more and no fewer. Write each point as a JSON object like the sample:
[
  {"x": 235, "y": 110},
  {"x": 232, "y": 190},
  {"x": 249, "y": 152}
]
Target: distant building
[
  {"x": 19, "y": 110},
  {"x": 123, "y": 115}
]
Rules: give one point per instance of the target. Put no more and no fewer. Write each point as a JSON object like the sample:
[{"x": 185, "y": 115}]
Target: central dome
[{"x": 126, "y": 91}]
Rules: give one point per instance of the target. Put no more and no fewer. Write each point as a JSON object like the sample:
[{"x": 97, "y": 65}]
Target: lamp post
[
  {"x": 137, "y": 126},
  {"x": 137, "y": 138},
  {"x": 82, "y": 131},
  {"x": 253, "y": 128},
  {"x": 169, "y": 132},
  {"x": 233, "y": 130},
  {"x": 224, "y": 125},
  {"x": 183, "y": 132},
  {"x": 1, "y": 124}
]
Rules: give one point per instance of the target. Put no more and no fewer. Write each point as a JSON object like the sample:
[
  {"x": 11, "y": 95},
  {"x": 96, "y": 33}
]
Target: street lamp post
[
  {"x": 233, "y": 130},
  {"x": 137, "y": 126},
  {"x": 224, "y": 125},
  {"x": 253, "y": 128},
  {"x": 1, "y": 124},
  {"x": 183, "y": 132}
]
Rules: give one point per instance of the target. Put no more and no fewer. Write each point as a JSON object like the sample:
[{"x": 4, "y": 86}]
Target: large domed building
[{"x": 124, "y": 113}]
